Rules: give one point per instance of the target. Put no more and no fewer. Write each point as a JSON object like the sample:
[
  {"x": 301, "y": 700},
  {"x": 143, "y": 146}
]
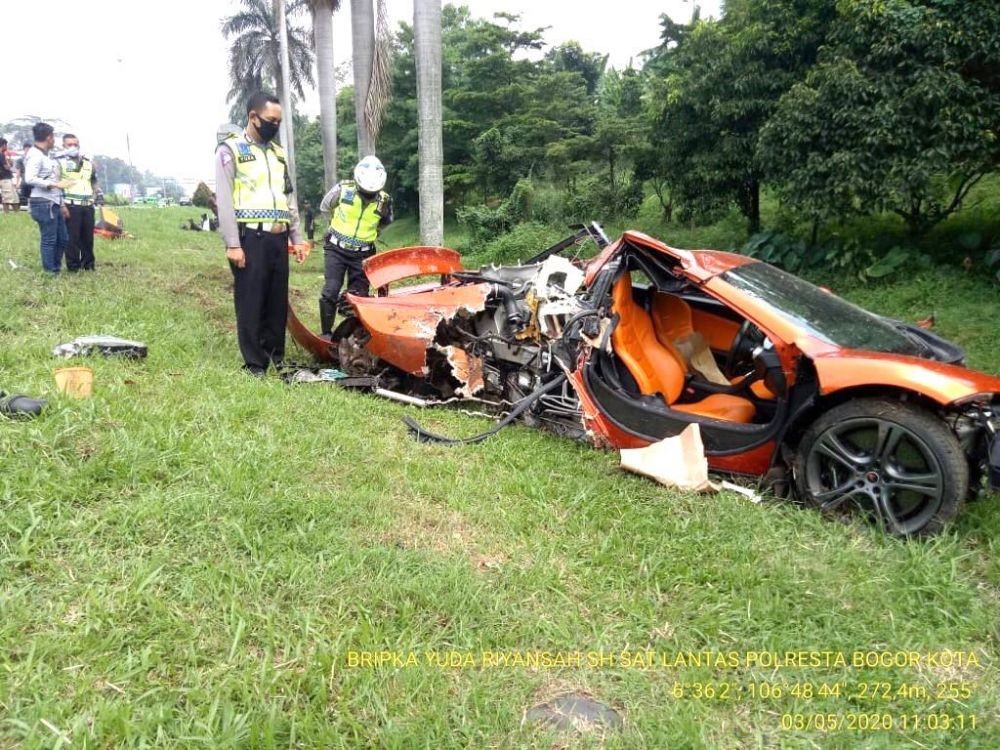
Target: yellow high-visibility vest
[
  {"x": 81, "y": 191},
  {"x": 259, "y": 186},
  {"x": 353, "y": 223}
]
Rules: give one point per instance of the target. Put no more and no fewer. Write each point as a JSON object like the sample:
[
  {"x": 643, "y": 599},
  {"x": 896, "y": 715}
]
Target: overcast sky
[{"x": 157, "y": 71}]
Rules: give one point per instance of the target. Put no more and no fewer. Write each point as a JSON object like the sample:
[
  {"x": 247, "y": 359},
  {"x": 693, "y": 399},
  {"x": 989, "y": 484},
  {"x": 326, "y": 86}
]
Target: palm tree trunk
[
  {"x": 363, "y": 49},
  {"x": 427, "y": 51},
  {"x": 285, "y": 90},
  {"x": 327, "y": 85}
]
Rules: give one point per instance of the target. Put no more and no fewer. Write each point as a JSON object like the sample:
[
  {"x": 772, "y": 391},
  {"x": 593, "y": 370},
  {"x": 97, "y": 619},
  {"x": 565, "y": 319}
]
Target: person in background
[
  {"x": 8, "y": 195},
  {"x": 359, "y": 209},
  {"x": 81, "y": 192},
  {"x": 310, "y": 217},
  {"x": 44, "y": 174},
  {"x": 23, "y": 188},
  {"x": 256, "y": 220}
]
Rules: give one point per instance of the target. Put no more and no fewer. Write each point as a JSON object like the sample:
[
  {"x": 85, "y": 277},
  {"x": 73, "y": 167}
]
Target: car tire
[{"x": 894, "y": 460}]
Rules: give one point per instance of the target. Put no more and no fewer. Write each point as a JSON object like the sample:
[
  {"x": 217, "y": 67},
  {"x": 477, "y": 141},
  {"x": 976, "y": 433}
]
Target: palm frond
[
  {"x": 256, "y": 16},
  {"x": 254, "y": 51},
  {"x": 380, "y": 86}
]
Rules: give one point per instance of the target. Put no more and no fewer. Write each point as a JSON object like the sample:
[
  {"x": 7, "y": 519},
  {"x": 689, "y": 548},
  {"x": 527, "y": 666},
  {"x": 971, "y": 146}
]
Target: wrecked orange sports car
[{"x": 787, "y": 382}]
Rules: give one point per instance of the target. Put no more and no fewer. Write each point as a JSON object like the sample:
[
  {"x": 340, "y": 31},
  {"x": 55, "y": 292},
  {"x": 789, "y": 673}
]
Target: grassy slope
[{"x": 187, "y": 557}]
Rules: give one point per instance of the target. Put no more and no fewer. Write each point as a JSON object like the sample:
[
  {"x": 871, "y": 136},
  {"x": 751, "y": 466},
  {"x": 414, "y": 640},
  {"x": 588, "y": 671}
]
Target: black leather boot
[
  {"x": 20, "y": 406},
  {"x": 327, "y": 314}
]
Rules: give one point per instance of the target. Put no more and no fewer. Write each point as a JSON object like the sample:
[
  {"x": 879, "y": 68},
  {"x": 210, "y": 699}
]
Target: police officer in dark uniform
[{"x": 257, "y": 219}]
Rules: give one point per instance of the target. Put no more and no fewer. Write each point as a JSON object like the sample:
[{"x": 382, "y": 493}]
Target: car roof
[{"x": 701, "y": 264}]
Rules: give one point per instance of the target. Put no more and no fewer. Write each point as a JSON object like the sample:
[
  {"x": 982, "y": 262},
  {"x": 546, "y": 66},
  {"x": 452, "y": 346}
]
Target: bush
[
  {"x": 113, "y": 199},
  {"x": 519, "y": 244},
  {"x": 485, "y": 223},
  {"x": 549, "y": 205},
  {"x": 834, "y": 255},
  {"x": 596, "y": 199},
  {"x": 202, "y": 196}
]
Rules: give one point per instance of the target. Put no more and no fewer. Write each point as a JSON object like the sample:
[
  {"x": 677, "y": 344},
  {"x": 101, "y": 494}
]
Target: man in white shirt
[{"x": 44, "y": 174}]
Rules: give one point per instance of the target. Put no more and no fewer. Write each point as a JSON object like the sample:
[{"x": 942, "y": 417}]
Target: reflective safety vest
[
  {"x": 353, "y": 223},
  {"x": 81, "y": 191},
  {"x": 260, "y": 183}
]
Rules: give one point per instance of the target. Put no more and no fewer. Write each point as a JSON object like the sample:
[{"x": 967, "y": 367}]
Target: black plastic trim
[{"x": 649, "y": 418}]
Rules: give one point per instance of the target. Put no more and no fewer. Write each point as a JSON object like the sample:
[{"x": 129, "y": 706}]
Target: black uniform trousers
[
  {"x": 339, "y": 262},
  {"x": 80, "y": 250},
  {"x": 260, "y": 292}
]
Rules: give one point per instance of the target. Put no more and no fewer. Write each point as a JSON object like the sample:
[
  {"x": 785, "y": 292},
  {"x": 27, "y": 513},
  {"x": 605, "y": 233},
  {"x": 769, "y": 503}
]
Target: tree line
[
  {"x": 839, "y": 108},
  {"x": 269, "y": 48}
]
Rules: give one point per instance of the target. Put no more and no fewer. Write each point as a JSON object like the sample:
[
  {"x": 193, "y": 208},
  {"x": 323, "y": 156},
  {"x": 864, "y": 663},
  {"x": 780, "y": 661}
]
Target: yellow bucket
[{"x": 75, "y": 382}]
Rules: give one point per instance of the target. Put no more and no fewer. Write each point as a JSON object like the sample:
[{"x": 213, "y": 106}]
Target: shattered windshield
[{"x": 820, "y": 313}]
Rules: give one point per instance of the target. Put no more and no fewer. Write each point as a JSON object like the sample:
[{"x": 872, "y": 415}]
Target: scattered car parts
[{"x": 108, "y": 346}]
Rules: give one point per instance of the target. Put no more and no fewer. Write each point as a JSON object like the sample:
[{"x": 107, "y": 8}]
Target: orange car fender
[
  {"x": 409, "y": 262},
  {"x": 940, "y": 382}
]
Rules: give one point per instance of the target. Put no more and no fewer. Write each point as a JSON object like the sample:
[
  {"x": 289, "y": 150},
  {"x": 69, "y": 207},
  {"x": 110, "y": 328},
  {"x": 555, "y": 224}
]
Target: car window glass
[{"x": 820, "y": 313}]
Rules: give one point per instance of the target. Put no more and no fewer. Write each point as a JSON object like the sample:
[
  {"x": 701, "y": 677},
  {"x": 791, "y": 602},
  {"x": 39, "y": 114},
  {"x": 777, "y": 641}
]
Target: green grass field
[{"x": 192, "y": 558}]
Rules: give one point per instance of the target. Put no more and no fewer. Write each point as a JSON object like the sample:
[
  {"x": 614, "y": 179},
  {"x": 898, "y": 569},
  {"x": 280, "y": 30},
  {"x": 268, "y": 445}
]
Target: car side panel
[{"x": 937, "y": 381}]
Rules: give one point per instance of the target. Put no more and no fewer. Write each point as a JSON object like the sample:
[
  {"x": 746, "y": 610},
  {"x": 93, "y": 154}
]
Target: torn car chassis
[{"x": 786, "y": 381}]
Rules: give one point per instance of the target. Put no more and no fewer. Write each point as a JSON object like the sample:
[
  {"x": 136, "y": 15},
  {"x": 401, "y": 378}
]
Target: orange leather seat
[
  {"x": 658, "y": 368},
  {"x": 672, "y": 318},
  {"x": 760, "y": 390}
]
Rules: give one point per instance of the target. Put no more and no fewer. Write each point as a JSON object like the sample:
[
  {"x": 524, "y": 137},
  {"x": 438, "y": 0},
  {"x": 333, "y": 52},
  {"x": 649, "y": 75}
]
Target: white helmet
[{"x": 369, "y": 174}]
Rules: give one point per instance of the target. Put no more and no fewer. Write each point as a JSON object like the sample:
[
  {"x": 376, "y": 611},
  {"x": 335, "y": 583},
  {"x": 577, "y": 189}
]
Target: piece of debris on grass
[
  {"x": 577, "y": 712},
  {"x": 677, "y": 461},
  {"x": 109, "y": 346}
]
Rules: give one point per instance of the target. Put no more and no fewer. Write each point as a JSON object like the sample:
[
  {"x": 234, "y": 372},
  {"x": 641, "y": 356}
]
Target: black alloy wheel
[{"x": 894, "y": 461}]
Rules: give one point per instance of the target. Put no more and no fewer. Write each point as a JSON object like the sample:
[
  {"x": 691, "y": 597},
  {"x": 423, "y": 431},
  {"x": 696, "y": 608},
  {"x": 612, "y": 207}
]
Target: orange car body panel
[
  {"x": 409, "y": 262},
  {"x": 320, "y": 348},
  {"x": 382, "y": 270},
  {"x": 943, "y": 383},
  {"x": 403, "y": 326},
  {"x": 754, "y": 461}
]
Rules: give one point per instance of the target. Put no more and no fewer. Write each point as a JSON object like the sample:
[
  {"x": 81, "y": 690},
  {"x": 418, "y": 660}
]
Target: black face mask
[{"x": 267, "y": 129}]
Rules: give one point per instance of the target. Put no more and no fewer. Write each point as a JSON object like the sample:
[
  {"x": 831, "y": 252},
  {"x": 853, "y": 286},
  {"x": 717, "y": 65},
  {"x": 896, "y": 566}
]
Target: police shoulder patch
[{"x": 244, "y": 152}]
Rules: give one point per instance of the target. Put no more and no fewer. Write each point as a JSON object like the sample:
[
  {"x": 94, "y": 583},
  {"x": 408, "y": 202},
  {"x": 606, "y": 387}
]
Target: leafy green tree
[
  {"x": 901, "y": 114},
  {"x": 347, "y": 138},
  {"x": 18, "y": 131},
  {"x": 113, "y": 171},
  {"x": 621, "y": 131},
  {"x": 202, "y": 196},
  {"x": 310, "y": 174},
  {"x": 570, "y": 57},
  {"x": 721, "y": 81},
  {"x": 172, "y": 189}
]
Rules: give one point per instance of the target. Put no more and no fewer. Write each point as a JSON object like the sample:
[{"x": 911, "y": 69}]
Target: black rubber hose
[
  {"x": 576, "y": 318},
  {"x": 520, "y": 407},
  {"x": 511, "y": 312}
]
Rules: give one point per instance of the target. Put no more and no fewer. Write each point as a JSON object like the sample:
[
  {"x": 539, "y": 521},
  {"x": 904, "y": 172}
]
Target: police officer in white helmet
[{"x": 359, "y": 209}]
